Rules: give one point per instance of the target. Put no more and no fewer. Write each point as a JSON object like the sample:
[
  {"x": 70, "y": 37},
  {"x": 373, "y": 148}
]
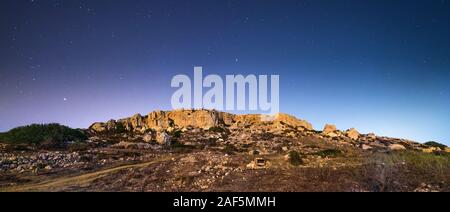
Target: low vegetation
[
  {"x": 329, "y": 153},
  {"x": 406, "y": 170},
  {"x": 217, "y": 129},
  {"x": 177, "y": 134},
  {"x": 42, "y": 134},
  {"x": 120, "y": 128},
  {"x": 435, "y": 144},
  {"x": 295, "y": 158},
  {"x": 178, "y": 147},
  {"x": 230, "y": 149}
]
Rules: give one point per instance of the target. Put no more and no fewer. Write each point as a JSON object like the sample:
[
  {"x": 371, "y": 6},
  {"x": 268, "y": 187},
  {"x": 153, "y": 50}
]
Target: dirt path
[{"x": 61, "y": 182}]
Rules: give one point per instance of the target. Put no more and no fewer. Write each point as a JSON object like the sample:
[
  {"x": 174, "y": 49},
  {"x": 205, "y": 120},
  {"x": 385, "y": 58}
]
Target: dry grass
[
  {"x": 407, "y": 170},
  {"x": 61, "y": 183}
]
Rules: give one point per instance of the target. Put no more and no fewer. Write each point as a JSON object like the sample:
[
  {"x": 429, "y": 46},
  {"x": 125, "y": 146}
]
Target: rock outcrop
[
  {"x": 205, "y": 119},
  {"x": 292, "y": 121},
  {"x": 98, "y": 127}
]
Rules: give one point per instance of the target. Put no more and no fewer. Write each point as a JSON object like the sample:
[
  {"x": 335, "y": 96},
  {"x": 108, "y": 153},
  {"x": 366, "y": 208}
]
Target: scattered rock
[
  {"x": 98, "y": 127},
  {"x": 148, "y": 137},
  {"x": 431, "y": 150},
  {"x": 427, "y": 188},
  {"x": 258, "y": 163},
  {"x": 371, "y": 136}
]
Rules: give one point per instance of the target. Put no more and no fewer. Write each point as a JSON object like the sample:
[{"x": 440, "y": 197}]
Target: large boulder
[
  {"x": 163, "y": 138},
  {"x": 149, "y": 136},
  {"x": 98, "y": 127},
  {"x": 353, "y": 134},
  {"x": 329, "y": 128},
  {"x": 371, "y": 136},
  {"x": 396, "y": 147},
  {"x": 366, "y": 147}
]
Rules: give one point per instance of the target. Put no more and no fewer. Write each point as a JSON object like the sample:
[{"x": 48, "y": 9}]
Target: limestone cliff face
[
  {"x": 205, "y": 119},
  {"x": 184, "y": 118}
]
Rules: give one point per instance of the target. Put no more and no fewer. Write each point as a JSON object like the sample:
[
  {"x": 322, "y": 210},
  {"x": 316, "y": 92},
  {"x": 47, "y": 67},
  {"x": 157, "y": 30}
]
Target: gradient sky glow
[{"x": 381, "y": 66}]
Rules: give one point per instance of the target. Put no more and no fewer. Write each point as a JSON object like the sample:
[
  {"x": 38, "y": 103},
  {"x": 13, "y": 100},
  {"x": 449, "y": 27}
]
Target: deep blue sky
[{"x": 378, "y": 65}]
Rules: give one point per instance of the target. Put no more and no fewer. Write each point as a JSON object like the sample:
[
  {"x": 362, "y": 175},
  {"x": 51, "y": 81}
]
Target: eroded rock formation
[{"x": 205, "y": 119}]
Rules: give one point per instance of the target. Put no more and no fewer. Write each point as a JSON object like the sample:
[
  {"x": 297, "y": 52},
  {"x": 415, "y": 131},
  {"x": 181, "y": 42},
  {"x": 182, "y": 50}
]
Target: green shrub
[
  {"x": 120, "y": 128},
  {"x": 38, "y": 134},
  {"x": 40, "y": 166},
  {"x": 78, "y": 146},
  {"x": 435, "y": 144},
  {"x": 178, "y": 147},
  {"x": 329, "y": 153},
  {"x": 217, "y": 129},
  {"x": 295, "y": 158},
  {"x": 177, "y": 134},
  {"x": 230, "y": 149}
]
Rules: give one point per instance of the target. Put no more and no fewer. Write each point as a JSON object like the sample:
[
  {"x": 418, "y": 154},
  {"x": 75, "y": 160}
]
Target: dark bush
[
  {"x": 329, "y": 153},
  {"x": 179, "y": 147},
  {"x": 435, "y": 144},
  {"x": 177, "y": 134},
  {"x": 120, "y": 128},
  {"x": 217, "y": 129},
  {"x": 295, "y": 158},
  {"x": 42, "y": 134},
  {"x": 230, "y": 149}
]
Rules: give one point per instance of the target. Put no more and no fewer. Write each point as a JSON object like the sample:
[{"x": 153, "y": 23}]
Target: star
[{"x": 65, "y": 99}]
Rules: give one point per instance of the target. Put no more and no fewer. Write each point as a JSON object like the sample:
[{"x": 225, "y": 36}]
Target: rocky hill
[
  {"x": 207, "y": 150},
  {"x": 156, "y": 123}
]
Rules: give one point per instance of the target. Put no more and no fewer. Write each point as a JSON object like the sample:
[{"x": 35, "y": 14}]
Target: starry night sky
[{"x": 381, "y": 66}]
